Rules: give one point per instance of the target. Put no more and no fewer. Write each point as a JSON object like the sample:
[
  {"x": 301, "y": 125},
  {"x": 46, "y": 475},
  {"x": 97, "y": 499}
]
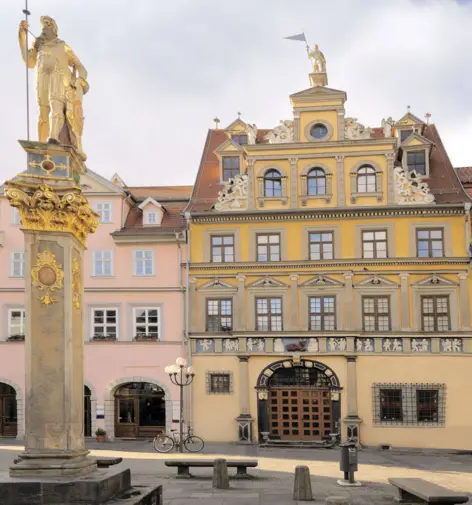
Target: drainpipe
[
  {"x": 187, "y": 317},
  {"x": 123, "y": 209},
  {"x": 467, "y": 207}
]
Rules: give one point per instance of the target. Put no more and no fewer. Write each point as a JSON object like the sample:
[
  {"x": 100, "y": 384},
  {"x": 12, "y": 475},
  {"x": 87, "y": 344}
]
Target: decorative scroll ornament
[
  {"x": 76, "y": 283},
  {"x": 356, "y": 131},
  {"x": 281, "y": 134},
  {"x": 410, "y": 189},
  {"x": 45, "y": 210},
  {"x": 233, "y": 196},
  {"x": 47, "y": 275}
]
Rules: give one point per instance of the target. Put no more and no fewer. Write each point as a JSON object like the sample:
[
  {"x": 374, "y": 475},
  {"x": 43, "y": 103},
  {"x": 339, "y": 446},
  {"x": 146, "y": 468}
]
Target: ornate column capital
[
  {"x": 390, "y": 155},
  {"x": 294, "y": 277},
  {"x": 351, "y": 359},
  {"x": 339, "y": 157},
  {"x": 243, "y": 359},
  {"x": 293, "y": 160},
  {"x": 250, "y": 161},
  {"x": 463, "y": 276}
]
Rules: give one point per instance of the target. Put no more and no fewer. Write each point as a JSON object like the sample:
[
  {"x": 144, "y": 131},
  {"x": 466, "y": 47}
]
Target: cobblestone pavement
[{"x": 273, "y": 479}]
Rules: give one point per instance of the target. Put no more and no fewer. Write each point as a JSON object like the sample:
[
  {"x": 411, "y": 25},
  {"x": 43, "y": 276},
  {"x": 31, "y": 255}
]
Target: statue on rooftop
[
  {"x": 60, "y": 83},
  {"x": 317, "y": 59}
]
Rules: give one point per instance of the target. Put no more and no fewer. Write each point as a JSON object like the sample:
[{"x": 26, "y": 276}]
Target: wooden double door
[
  {"x": 8, "y": 412},
  {"x": 300, "y": 413}
]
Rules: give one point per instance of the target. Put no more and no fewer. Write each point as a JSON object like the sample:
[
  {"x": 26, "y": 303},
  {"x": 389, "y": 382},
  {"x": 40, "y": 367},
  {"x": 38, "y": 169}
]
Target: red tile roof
[{"x": 465, "y": 174}]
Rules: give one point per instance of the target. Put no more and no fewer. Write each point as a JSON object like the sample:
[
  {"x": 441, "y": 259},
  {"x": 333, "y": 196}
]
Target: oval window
[{"x": 318, "y": 131}]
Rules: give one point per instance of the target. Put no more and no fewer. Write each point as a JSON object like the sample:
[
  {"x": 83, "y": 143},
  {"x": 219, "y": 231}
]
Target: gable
[
  {"x": 117, "y": 180},
  {"x": 91, "y": 182},
  {"x": 376, "y": 280},
  {"x": 267, "y": 282},
  {"x": 319, "y": 92},
  {"x": 217, "y": 284},
  {"x": 435, "y": 280},
  {"x": 236, "y": 126},
  {"x": 229, "y": 146},
  {"x": 409, "y": 119},
  {"x": 321, "y": 280},
  {"x": 416, "y": 140}
]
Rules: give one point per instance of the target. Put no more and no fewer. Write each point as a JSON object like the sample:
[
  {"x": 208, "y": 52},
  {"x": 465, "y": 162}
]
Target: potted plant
[
  {"x": 100, "y": 433},
  {"x": 18, "y": 337},
  {"x": 104, "y": 338},
  {"x": 145, "y": 337}
]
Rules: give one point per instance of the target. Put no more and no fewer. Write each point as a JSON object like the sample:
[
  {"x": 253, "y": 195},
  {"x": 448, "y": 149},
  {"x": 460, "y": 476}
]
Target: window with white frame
[
  {"x": 104, "y": 324},
  {"x": 150, "y": 217},
  {"x": 366, "y": 179},
  {"x": 17, "y": 264},
  {"x": 15, "y": 216},
  {"x": 144, "y": 262},
  {"x": 16, "y": 324},
  {"x": 102, "y": 263},
  {"x": 104, "y": 210},
  {"x": 146, "y": 323}
]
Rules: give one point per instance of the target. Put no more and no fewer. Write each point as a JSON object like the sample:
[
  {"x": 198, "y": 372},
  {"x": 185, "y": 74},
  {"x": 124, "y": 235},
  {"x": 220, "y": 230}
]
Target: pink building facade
[{"x": 134, "y": 309}]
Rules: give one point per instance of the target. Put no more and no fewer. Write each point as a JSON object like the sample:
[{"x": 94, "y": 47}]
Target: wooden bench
[
  {"x": 422, "y": 491},
  {"x": 183, "y": 466}
]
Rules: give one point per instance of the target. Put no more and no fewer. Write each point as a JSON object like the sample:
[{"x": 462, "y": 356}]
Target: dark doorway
[
  {"x": 87, "y": 412},
  {"x": 8, "y": 413},
  {"x": 139, "y": 410}
]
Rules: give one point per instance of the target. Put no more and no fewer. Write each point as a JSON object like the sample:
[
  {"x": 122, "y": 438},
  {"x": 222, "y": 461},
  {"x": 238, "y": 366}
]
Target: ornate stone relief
[
  {"x": 356, "y": 131},
  {"x": 251, "y": 132},
  {"x": 420, "y": 345},
  {"x": 337, "y": 344},
  {"x": 76, "y": 283},
  {"x": 233, "y": 196},
  {"x": 47, "y": 275},
  {"x": 281, "y": 134},
  {"x": 451, "y": 345},
  {"x": 292, "y": 344},
  {"x": 364, "y": 345},
  {"x": 230, "y": 345},
  {"x": 410, "y": 189},
  {"x": 255, "y": 345},
  {"x": 387, "y": 125},
  {"x": 206, "y": 345},
  {"x": 392, "y": 345}
]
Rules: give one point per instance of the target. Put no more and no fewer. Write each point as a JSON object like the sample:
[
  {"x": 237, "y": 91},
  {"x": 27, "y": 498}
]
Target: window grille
[
  {"x": 219, "y": 383},
  {"x": 299, "y": 376},
  {"x": 409, "y": 404}
]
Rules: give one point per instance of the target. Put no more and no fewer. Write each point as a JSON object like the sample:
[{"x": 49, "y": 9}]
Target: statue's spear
[{"x": 26, "y": 12}]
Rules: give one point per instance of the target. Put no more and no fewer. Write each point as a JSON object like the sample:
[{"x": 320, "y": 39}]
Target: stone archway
[
  {"x": 20, "y": 409},
  {"x": 298, "y": 400},
  {"x": 110, "y": 410}
]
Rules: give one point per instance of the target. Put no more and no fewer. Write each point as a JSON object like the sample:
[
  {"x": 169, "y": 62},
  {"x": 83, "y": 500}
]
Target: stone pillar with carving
[
  {"x": 293, "y": 183},
  {"x": 56, "y": 220},
  {"x": 352, "y": 420},
  {"x": 244, "y": 419},
  {"x": 341, "y": 187},
  {"x": 405, "y": 301},
  {"x": 464, "y": 301}
]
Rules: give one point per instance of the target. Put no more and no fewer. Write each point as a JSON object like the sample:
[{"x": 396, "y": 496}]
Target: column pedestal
[
  {"x": 244, "y": 419},
  {"x": 352, "y": 420}
]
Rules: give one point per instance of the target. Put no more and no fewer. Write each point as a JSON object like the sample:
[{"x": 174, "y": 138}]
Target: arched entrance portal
[
  {"x": 87, "y": 412},
  {"x": 298, "y": 401},
  {"x": 140, "y": 410},
  {"x": 8, "y": 411}
]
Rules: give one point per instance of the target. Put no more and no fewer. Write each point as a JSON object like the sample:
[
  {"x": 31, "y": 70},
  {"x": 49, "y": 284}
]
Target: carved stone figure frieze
[
  {"x": 356, "y": 131},
  {"x": 451, "y": 345},
  {"x": 313, "y": 345},
  {"x": 420, "y": 345},
  {"x": 410, "y": 188},
  {"x": 61, "y": 82},
  {"x": 233, "y": 196},
  {"x": 251, "y": 132},
  {"x": 230, "y": 345},
  {"x": 205, "y": 345},
  {"x": 279, "y": 345},
  {"x": 255, "y": 345},
  {"x": 392, "y": 344},
  {"x": 387, "y": 125},
  {"x": 337, "y": 344},
  {"x": 364, "y": 345},
  {"x": 282, "y": 133}
]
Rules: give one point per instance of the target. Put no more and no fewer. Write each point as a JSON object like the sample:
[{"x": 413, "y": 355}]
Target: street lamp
[{"x": 181, "y": 377}]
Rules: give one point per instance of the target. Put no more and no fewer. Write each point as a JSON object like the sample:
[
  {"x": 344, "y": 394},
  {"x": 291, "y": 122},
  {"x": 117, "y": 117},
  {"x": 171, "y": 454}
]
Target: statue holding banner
[
  {"x": 317, "y": 59},
  {"x": 60, "y": 84}
]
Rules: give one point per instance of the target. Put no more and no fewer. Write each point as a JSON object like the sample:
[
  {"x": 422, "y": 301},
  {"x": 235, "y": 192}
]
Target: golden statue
[
  {"x": 317, "y": 59},
  {"x": 60, "y": 84}
]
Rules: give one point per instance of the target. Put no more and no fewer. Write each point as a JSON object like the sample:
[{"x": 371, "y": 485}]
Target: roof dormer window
[
  {"x": 150, "y": 218},
  {"x": 404, "y": 134},
  {"x": 416, "y": 160},
  {"x": 239, "y": 139}
]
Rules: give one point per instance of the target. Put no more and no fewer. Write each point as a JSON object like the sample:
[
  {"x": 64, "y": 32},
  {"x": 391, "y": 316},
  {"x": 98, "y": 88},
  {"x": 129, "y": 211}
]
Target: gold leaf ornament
[{"x": 47, "y": 275}]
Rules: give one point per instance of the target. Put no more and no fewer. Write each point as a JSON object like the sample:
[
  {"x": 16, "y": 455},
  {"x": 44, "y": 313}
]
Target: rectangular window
[
  {"x": 239, "y": 139},
  {"x": 104, "y": 324},
  {"x": 322, "y": 313},
  {"x": 144, "y": 262},
  {"x": 404, "y": 134},
  {"x": 219, "y": 315},
  {"x": 435, "y": 313},
  {"x": 376, "y": 313},
  {"x": 268, "y": 247},
  {"x": 15, "y": 216},
  {"x": 150, "y": 218},
  {"x": 391, "y": 407},
  {"x": 416, "y": 160},
  {"x": 104, "y": 210},
  {"x": 427, "y": 403},
  {"x": 430, "y": 243},
  {"x": 146, "y": 323},
  {"x": 321, "y": 245},
  {"x": 230, "y": 167},
  {"x": 374, "y": 244},
  {"x": 222, "y": 249},
  {"x": 269, "y": 314},
  {"x": 17, "y": 265},
  {"x": 219, "y": 383},
  {"x": 102, "y": 263},
  {"x": 16, "y": 323}
]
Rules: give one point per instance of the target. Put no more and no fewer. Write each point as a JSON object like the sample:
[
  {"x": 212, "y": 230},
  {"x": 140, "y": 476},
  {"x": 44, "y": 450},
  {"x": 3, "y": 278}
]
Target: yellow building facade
[{"x": 329, "y": 284}]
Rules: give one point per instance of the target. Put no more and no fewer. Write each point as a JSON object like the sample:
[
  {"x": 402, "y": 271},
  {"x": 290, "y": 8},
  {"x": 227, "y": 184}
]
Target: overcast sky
[{"x": 161, "y": 70}]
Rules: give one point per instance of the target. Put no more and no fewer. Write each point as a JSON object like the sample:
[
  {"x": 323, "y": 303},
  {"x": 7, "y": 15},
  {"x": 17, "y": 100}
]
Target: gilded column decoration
[
  {"x": 340, "y": 177},
  {"x": 76, "y": 283},
  {"x": 46, "y": 210},
  {"x": 47, "y": 275}
]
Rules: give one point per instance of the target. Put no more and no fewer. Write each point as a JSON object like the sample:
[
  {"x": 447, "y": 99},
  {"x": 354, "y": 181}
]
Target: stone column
[
  {"x": 296, "y": 126},
  {"x": 244, "y": 419},
  {"x": 241, "y": 309},
  {"x": 352, "y": 419},
  {"x": 349, "y": 319},
  {"x": 293, "y": 183},
  {"x": 251, "y": 184},
  {"x": 405, "y": 302},
  {"x": 195, "y": 324},
  {"x": 294, "y": 322},
  {"x": 464, "y": 301},
  {"x": 390, "y": 177},
  {"x": 341, "y": 187},
  {"x": 340, "y": 114}
]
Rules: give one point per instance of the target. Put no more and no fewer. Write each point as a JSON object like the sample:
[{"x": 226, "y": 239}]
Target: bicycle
[{"x": 165, "y": 443}]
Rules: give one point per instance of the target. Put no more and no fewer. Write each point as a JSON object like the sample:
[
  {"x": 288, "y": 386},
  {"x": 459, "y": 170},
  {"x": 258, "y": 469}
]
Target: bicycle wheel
[
  {"x": 194, "y": 444},
  {"x": 163, "y": 443}
]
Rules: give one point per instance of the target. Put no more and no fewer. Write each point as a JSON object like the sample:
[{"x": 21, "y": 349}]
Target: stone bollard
[
  {"x": 302, "y": 485},
  {"x": 220, "y": 474},
  {"x": 336, "y": 500}
]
